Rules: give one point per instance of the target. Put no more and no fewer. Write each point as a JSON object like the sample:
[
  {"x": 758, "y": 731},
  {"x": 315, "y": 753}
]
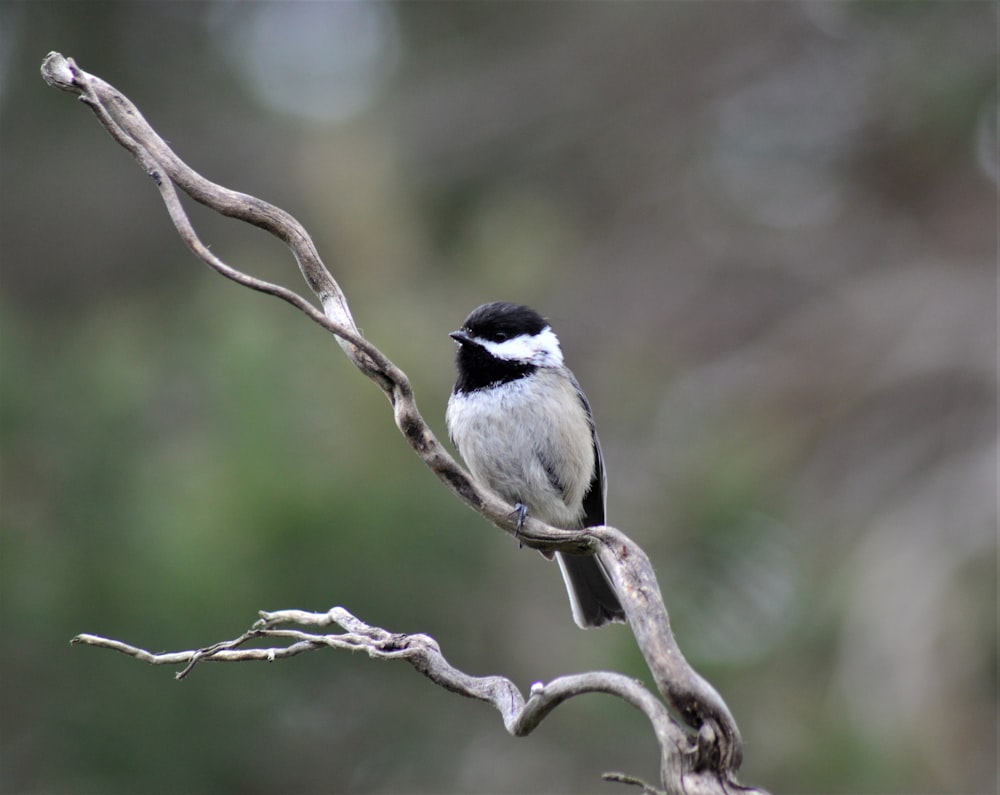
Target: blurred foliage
[{"x": 767, "y": 236}]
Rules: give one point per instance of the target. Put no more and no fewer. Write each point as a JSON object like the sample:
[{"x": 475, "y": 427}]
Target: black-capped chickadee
[{"x": 524, "y": 427}]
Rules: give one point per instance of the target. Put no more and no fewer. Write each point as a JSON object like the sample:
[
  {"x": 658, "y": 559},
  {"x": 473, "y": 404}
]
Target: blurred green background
[{"x": 767, "y": 235}]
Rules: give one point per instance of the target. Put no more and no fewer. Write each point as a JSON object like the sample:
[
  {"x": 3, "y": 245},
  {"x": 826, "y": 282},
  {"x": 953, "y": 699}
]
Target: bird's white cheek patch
[{"x": 541, "y": 349}]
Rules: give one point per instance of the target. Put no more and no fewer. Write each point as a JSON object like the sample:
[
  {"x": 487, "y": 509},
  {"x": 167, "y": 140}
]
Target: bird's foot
[{"x": 522, "y": 513}]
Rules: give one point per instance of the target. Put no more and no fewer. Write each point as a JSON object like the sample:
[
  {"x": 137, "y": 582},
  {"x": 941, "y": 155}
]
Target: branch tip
[
  {"x": 633, "y": 781},
  {"x": 60, "y": 72}
]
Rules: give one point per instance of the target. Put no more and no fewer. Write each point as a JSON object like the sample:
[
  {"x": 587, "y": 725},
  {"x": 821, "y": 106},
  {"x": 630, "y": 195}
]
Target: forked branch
[
  {"x": 520, "y": 716},
  {"x": 701, "y": 758}
]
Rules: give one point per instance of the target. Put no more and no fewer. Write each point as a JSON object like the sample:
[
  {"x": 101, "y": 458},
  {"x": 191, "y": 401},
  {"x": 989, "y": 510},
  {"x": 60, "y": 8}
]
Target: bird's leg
[{"x": 522, "y": 513}]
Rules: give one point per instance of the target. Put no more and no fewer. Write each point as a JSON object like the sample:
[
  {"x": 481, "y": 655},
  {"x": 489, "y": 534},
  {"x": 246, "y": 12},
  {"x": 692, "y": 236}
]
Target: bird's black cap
[{"x": 501, "y": 320}]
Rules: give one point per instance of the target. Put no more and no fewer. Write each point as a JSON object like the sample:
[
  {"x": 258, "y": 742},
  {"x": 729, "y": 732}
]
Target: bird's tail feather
[{"x": 591, "y": 595}]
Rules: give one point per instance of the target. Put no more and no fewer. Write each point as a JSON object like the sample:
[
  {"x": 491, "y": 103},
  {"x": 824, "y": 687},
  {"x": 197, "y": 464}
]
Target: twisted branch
[
  {"x": 520, "y": 716},
  {"x": 702, "y": 760}
]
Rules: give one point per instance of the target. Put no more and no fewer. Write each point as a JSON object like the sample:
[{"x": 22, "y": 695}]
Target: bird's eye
[{"x": 500, "y": 336}]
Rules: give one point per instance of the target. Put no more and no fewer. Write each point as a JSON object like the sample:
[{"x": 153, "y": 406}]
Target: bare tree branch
[
  {"x": 520, "y": 716},
  {"x": 704, "y": 761}
]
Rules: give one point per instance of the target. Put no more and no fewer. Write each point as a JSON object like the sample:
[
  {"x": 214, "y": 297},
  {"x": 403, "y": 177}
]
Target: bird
[{"x": 525, "y": 429}]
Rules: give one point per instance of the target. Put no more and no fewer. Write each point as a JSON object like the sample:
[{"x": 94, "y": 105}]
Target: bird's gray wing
[{"x": 595, "y": 500}]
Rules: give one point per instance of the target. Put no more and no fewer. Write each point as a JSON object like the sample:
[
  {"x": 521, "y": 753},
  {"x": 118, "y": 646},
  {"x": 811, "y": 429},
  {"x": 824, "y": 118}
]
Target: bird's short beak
[{"x": 460, "y": 336}]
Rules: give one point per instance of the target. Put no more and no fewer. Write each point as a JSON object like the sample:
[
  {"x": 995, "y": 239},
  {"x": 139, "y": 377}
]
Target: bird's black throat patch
[{"x": 478, "y": 369}]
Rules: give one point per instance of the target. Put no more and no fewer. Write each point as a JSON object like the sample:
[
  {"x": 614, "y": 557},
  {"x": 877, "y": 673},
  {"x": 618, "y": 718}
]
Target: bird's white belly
[{"x": 518, "y": 446}]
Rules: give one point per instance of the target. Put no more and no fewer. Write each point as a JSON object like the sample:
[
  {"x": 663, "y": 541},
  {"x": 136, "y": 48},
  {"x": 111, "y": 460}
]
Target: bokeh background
[{"x": 767, "y": 235}]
